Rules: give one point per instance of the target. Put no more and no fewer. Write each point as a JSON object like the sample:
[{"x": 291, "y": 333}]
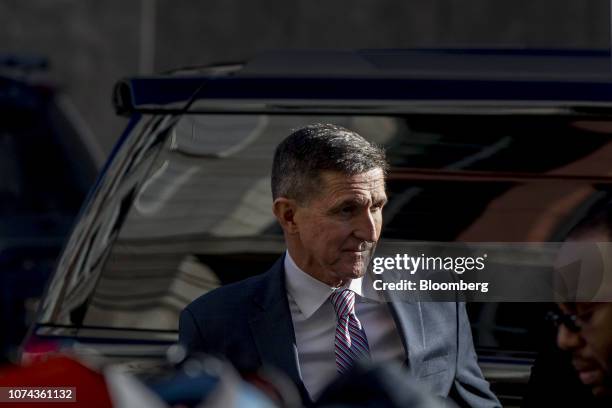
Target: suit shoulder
[{"x": 227, "y": 297}]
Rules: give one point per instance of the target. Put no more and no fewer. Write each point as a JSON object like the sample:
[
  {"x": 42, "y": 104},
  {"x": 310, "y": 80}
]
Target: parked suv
[{"x": 484, "y": 146}]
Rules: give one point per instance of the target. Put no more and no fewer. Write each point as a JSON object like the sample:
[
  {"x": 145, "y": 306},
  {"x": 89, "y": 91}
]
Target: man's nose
[
  {"x": 366, "y": 228},
  {"x": 567, "y": 339}
]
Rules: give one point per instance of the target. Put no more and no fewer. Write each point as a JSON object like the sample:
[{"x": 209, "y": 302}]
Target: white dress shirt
[{"x": 314, "y": 322}]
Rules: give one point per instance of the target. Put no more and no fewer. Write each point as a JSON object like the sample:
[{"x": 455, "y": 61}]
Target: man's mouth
[
  {"x": 358, "y": 253},
  {"x": 588, "y": 373},
  {"x": 589, "y": 377},
  {"x": 362, "y": 248}
]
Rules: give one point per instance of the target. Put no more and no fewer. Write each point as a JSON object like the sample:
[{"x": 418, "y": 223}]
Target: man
[
  {"x": 307, "y": 315},
  {"x": 579, "y": 371},
  {"x": 587, "y": 334},
  {"x": 585, "y": 328}
]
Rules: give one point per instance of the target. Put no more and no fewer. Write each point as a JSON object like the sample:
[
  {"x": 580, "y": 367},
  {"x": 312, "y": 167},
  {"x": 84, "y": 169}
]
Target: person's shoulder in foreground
[{"x": 308, "y": 317}]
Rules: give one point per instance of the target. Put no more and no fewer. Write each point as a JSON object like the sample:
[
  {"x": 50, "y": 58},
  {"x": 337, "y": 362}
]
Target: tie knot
[{"x": 343, "y": 301}]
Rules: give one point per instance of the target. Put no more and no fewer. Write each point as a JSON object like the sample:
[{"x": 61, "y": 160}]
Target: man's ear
[{"x": 284, "y": 209}]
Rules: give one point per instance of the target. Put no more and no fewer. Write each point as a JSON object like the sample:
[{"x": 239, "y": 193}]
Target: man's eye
[
  {"x": 376, "y": 208},
  {"x": 347, "y": 210}
]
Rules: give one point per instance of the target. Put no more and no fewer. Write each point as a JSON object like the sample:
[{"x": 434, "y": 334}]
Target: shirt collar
[
  {"x": 310, "y": 293},
  {"x": 356, "y": 285}
]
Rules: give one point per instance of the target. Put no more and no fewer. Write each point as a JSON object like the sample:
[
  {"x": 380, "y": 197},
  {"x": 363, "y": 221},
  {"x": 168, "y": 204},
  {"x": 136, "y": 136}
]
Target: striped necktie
[{"x": 351, "y": 343}]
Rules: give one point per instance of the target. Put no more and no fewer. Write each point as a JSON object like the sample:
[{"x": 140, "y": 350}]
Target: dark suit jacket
[{"x": 249, "y": 323}]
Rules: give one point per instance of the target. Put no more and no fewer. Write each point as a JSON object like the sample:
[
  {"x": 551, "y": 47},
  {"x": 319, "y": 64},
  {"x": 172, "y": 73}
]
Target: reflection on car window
[{"x": 201, "y": 217}]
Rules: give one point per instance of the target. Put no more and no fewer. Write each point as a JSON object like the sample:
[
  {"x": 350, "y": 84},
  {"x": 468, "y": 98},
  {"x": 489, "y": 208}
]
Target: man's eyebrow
[
  {"x": 360, "y": 201},
  {"x": 380, "y": 200},
  {"x": 351, "y": 201}
]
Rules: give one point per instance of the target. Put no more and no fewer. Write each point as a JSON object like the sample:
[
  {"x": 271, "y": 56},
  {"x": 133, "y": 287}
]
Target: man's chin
[
  {"x": 357, "y": 260},
  {"x": 358, "y": 271},
  {"x": 352, "y": 265},
  {"x": 597, "y": 381}
]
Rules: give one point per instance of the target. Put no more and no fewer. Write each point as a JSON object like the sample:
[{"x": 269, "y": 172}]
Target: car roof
[{"x": 571, "y": 78}]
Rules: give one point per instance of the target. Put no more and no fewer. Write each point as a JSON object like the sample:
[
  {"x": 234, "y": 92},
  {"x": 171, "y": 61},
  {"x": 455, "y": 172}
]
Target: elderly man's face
[
  {"x": 337, "y": 229},
  {"x": 591, "y": 347}
]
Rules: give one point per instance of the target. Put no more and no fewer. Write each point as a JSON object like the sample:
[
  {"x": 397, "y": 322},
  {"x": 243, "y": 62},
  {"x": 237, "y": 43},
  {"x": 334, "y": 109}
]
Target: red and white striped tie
[{"x": 351, "y": 343}]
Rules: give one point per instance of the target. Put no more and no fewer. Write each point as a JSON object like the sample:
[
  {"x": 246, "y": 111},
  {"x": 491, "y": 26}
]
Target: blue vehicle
[{"x": 485, "y": 146}]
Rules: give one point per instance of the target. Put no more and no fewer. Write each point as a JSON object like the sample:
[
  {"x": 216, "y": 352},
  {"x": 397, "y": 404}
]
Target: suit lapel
[
  {"x": 409, "y": 323},
  {"x": 406, "y": 311},
  {"x": 272, "y": 326}
]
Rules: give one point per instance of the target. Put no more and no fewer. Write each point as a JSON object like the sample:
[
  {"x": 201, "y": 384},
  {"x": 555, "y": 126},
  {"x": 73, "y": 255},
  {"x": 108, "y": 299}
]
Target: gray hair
[{"x": 304, "y": 154}]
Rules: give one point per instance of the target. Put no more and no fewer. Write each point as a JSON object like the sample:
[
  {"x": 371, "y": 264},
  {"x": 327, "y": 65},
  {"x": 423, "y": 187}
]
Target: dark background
[{"x": 91, "y": 44}]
